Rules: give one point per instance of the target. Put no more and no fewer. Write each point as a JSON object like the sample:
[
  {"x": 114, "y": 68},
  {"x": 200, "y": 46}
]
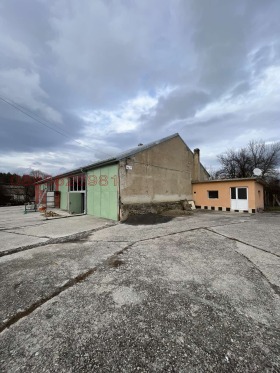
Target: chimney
[{"x": 196, "y": 165}]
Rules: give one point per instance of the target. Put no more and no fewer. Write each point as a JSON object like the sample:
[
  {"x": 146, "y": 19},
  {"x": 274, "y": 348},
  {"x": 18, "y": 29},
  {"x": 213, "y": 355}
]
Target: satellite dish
[{"x": 257, "y": 172}]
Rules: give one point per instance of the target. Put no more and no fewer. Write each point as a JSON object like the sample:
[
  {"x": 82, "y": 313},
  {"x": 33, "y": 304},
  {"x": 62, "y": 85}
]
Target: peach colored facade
[{"x": 221, "y": 193}]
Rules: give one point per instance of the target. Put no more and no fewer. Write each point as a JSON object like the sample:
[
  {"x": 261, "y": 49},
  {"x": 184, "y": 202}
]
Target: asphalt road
[{"x": 199, "y": 293}]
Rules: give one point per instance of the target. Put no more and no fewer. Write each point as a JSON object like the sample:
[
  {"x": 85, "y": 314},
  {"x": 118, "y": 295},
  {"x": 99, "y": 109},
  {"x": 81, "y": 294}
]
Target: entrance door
[
  {"x": 239, "y": 198},
  {"x": 77, "y": 202}
]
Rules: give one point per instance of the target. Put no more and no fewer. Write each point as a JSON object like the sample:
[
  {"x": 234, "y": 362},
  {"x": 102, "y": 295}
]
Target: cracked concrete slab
[
  {"x": 268, "y": 264},
  {"x": 63, "y": 227},
  {"x": 13, "y": 217},
  {"x": 10, "y": 241},
  {"x": 132, "y": 233},
  {"x": 35, "y": 274},
  {"x": 266, "y": 236},
  {"x": 20, "y": 231},
  {"x": 170, "y": 297},
  {"x": 188, "y": 302}
]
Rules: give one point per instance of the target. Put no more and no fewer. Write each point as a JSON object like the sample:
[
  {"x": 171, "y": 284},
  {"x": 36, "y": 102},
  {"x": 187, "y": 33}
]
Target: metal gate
[
  {"x": 102, "y": 192},
  {"x": 50, "y": 200}
]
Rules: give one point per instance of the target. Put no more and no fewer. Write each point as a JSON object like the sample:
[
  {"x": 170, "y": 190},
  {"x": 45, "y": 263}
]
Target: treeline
[
  {"x": 15, "y": 179},
  {"x": 18, "y": 189},
  {"x": 21, "y": 180}
]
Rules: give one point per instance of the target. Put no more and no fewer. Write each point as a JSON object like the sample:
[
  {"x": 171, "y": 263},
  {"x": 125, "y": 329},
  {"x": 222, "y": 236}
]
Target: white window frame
[{"x": 77, "y": 183}]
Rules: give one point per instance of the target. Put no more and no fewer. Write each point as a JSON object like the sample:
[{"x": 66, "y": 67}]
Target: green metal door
[
  {"x": 102, "y": 192},
  {"x": 76, "y": 205}
]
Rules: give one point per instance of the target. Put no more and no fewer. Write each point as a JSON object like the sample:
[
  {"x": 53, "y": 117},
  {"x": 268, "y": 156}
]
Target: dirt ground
[{"x": 197, "y": 293}]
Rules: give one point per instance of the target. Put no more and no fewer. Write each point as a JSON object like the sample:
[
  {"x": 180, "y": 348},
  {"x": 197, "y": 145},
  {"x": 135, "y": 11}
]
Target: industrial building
[{"x": 148, "y": 178}]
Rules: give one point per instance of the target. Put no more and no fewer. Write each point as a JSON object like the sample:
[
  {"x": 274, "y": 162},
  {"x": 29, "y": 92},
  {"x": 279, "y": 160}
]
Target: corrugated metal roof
[
  {"x": 115, "y": 159},
  {"x": 138, "y": 149}
]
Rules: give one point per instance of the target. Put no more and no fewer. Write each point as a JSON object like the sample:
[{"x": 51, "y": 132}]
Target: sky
[{"x": 105, "y": 75}]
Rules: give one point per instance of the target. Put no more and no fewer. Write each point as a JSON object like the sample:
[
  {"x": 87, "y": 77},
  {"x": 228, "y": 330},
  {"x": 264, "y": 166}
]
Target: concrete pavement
[
  {"x": 19, "y": 231},
  {"x": 197, "y": 294}
]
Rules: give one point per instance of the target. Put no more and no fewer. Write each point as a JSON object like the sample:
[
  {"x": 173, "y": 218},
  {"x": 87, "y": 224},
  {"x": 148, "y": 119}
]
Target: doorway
[
  {"x": 77, "y": 202},
  {"x": 239, "y": 198}
]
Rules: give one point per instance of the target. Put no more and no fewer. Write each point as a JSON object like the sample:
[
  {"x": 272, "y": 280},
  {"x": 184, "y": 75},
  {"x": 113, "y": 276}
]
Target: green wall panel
[
  {"x": 102, "y": 192},
  {"x": 63, "y": 188}
]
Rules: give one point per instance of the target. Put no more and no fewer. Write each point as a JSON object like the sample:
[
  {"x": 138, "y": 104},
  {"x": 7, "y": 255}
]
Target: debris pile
[{"x": 51, "y": 214}]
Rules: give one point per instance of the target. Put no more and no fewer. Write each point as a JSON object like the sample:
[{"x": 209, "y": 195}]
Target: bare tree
[
  {"x": 38, "y": 175},
  {"x": 265, "y": 157},
  {"x": 213, "y": 173},
  {"x": 257, "y": 154}
]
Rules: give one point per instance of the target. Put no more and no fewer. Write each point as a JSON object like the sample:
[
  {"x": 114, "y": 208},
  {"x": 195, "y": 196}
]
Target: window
[
  {"x": 213, "y": 194},
  {"x": 242, "y": 193},
  {"x": 50, "y": 186},
  {"x": 77, "y": 183},
  {"x": 238, "y": 193}
]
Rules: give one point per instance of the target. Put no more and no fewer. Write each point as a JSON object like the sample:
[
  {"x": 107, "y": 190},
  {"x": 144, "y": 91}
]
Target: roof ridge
[
  {"x": 138, "y": 149},
  {"x": 115, "y": 158}
]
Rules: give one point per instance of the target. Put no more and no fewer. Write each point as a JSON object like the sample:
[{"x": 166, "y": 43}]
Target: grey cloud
[
  {"x": 225, "y": 33},
  {"x": 24, "y": 87},
  {"x": 232, "y": 130},
  {"x": 240, "y": 88},
  {"x": 27, "y": 22},
  {"x": 172, "y": 109},
  {"x": 61, "y": 58},
  {"x": 181, "y": 103},
  {"x": 26, "y": 136},
  {"x": 264, "y": 57},
  {"x": 21, "y": 133},
  {"x": 109, "y": 50}
]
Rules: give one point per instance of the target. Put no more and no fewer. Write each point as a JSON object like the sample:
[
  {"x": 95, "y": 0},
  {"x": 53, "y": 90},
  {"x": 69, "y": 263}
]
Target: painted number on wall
[
  {"x": 93, "y": 180},
  {"x": 102, "y": 180},
  {"x": 115, "y": 178}
]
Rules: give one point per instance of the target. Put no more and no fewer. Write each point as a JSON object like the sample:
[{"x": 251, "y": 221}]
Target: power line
[
  {"x": 45, "y": 123},
  {"x": 36, "y": 118}
]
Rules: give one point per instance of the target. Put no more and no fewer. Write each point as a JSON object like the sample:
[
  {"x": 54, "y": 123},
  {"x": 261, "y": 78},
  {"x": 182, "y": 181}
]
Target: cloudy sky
[{"x": 106, "y": 75}]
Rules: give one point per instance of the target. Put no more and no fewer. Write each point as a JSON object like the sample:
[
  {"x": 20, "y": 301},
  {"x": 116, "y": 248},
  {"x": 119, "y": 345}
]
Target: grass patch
[{"x": 274, "y": 208}]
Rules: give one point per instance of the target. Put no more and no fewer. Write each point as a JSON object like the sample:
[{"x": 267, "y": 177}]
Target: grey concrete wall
[
  {"x": 196, "y": 165},
  {"x": 203, "y": 174},
  {"x": 153, "y": 207},
  {"x": 199, "y": 172},
  {"x": 159, "y": 174}
]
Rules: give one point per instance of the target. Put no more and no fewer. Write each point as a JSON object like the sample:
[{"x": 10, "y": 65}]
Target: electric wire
[{"x": 45, "y": 123}]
